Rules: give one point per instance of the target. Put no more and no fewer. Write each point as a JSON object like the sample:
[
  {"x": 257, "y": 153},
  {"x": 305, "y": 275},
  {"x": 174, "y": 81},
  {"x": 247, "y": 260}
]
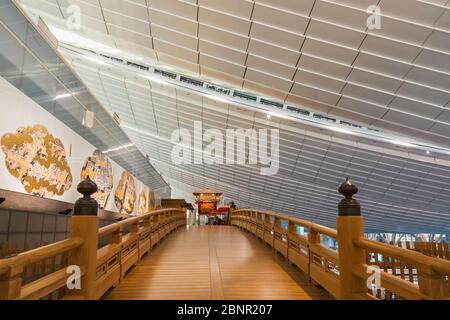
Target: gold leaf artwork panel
[
  {"x": 99, "y": 169},
  {"x": 125, "y": 195},
  {"x": 38, "y": 160}
]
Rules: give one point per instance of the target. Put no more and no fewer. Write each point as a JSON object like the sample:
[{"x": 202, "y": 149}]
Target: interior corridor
[{"x": 215, "y": 263}]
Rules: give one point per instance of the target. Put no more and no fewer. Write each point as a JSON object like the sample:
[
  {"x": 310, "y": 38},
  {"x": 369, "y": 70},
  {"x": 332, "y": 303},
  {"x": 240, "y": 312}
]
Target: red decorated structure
[{"x": 207, "y": 201}]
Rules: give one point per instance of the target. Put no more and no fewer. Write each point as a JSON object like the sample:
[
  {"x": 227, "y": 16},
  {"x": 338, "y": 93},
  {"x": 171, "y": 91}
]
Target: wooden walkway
[{"x": 216, "y": 263}]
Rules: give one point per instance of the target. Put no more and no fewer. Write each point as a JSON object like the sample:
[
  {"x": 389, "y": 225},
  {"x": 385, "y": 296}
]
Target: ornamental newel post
[
  {"x": 84, "y": 225},
  {"x": 350, "y": 226},
  {"x": 348, "y": 206},
  {"x": 86, "y": 206}
]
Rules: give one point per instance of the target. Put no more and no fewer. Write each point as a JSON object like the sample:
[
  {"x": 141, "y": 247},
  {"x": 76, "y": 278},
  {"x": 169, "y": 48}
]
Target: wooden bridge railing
[
  {"x": 399, "y": 273},
  {"x": 101, "y": 267},
  {"x": 429, "y": 248}
]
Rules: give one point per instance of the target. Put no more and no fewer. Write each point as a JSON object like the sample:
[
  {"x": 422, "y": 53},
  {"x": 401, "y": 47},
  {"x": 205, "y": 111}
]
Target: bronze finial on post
[
  {"x": 84, "y": 225},
  {"x": 350, "y": 227},
  {"x": 86, "y": 206},
  {"x": 348, "y": 206}
]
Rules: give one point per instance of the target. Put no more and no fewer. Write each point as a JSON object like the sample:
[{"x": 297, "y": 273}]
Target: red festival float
[{"x": 207, "y": 201}]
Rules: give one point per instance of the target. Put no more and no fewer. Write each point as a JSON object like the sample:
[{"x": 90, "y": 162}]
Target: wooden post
[
  {"x": 147, "y": 223},
  {"x": 85, "y": 225},
  {"x": 432, "y": 284},
  {"x": 350, "y": 226},
  {"x": 116, "y": 237},
  {"x": 313, "y": 238},
  {"x": 11, "y": 283},
  {"x": 230, "y": 216}
]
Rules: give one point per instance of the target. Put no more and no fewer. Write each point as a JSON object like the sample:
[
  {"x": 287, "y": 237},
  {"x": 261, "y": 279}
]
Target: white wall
[{"x": 17, "y": 110}]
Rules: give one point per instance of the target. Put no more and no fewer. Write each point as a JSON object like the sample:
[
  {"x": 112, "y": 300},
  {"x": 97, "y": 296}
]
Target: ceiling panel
[
  {"x": 261, "y": 45},
  {"x": 310, "y": 168},
  {"x": 317, "y": 55}
]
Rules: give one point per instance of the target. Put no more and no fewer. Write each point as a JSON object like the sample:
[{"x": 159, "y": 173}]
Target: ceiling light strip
[{"x": 316, "y": 119}]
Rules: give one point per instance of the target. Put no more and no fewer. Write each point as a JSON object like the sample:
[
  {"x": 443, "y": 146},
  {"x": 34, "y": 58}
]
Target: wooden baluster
[
  {"x": 134, "y": 228},
  {"x": 441, "y": 250},
  {"x": 313, "y": 238},
  {"x": 116, "y": 237},
  {"x": 268, "y": 224},
  {"x": 428, "y": 250},
  {"x": 147, "y": 223},
  {"x": 62, "y": 264},
  {"x": 158, "y": 225},
  {"x": 350, "y": 226},
  {"x": 85, "y": 224},
  {"x": 410, "y": 267},
  {"x": 291, "y": 231},
  {"x": 11, "y": 283},
  {"x": 416, "y": 247},
  {"x": 277, "y": 233},
  {"x": 277, "y": 225},
  {"x": 388, "y": 265},
  {"x": 432, "y": 284},
  {"x": 402, "y": 269},
  {"x": 446, "y": 251}
]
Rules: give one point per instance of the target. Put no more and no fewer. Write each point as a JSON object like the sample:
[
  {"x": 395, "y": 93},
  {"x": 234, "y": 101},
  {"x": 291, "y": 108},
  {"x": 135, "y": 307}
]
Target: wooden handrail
[
  {"x": 107, "y": 230},
  {"x": 103, "y": 232},
  {"x": 125, "y": 251},
  {"x": 29, "y": 257},
  {"x": 100, "y": 268},
  {"x": 324, "y": 266},
  {"x": 325, "y": 252},
  {"x": 437, "y": 264},
  {"x": 307, "y": 253},
  {"x": 109, "y": 264},
  {"x": 404, "y": 288},
  {"x": 46, "y": 285},
  {"x": 325, "y": 230},
  {"x": 304, "y": 223}
]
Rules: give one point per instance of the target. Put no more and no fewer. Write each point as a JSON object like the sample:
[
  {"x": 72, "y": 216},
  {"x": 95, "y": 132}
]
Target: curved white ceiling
[
  {"x": 399, "y": 194},
  {"x": 314, "y": 52}
]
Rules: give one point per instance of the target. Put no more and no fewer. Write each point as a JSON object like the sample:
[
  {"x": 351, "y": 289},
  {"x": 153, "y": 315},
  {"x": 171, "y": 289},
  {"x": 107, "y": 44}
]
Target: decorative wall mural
[
  {"x": 38, "y": 160},
  {"x": 125, "y": 196},
  {"x": 151, "y": 201},
  {"x": 99, "y": 169},
  {"x": 142, "y": 207}
]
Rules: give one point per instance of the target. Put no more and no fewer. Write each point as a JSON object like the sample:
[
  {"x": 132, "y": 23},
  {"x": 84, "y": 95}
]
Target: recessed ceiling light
[
  {"x": 119, "y": 148},
  {"x": 428, "y": 152},
  {"x": 401, "y": 143},
  {"x": 63, "y": 96},
  {"x": 219, "y": 99},
  {"x": 341, "y": 130},
  {"x": 269, "y": 117},
  {"x": 95, "y": 60}
]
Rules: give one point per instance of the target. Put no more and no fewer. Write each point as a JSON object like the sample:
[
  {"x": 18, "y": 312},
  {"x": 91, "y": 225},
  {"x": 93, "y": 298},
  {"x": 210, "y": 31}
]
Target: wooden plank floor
[{"x": 216, "y": 263}]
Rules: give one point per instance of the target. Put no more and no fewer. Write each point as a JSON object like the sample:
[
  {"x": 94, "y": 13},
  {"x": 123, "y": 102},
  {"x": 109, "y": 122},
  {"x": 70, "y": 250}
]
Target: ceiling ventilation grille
[
  {"x": 238, "y": 95},
  {"x": 272, "y": 103},
  {"x": 166, "y": 74},
  {"x": 243, "y": 95},
  {"x": 191, "y": 81}
]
